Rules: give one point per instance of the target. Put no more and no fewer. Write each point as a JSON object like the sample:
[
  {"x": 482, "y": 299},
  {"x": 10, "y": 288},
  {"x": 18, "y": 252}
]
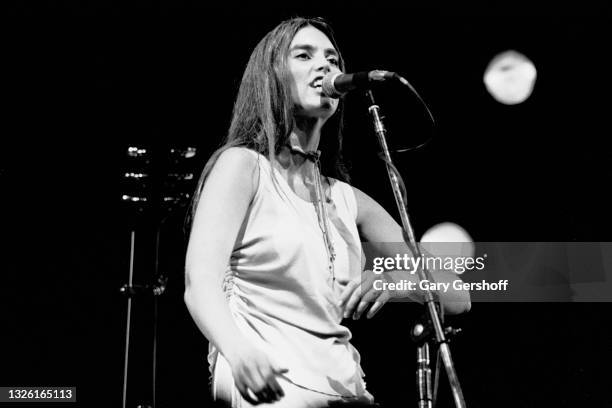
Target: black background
[{"x": 84, "y": 80}]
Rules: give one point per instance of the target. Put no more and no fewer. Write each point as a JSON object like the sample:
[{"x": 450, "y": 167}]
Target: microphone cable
[{"x": 407, "y": 84}]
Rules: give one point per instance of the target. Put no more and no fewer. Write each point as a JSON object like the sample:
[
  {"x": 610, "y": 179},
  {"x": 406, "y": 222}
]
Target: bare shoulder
[
  {"x": 223, "y": 202},
  {"x": 229, "y": 188},
  {"x": 237, "y": 165},
  {"x": 238, "y": 157}
]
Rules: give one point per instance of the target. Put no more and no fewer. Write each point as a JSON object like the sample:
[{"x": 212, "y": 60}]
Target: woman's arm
[
  {"x": 379, "y": 229},
  {"x": 223, "y": 204}
]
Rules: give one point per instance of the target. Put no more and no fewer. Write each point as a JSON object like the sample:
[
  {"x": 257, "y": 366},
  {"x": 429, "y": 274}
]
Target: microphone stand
[{"x": 424, "y": 372}]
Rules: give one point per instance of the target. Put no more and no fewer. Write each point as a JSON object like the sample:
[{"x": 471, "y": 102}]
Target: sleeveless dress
[{"x": 283, "y": 297}]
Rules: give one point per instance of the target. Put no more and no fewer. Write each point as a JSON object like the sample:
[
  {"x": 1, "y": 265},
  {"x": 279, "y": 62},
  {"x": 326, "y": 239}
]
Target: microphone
[{"x": 337, "y": 84}]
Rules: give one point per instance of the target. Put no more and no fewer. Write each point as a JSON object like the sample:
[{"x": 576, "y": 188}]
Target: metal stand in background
[
  {"x": 134, "y": 291},
  {"x": 152, "y": 193},
  {"x": 439, "y": 335},
  {"x": 128, "y": 324}
]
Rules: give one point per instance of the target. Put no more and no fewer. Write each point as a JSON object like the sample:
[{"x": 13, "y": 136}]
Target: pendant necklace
[{"x": 320, "y": 208}]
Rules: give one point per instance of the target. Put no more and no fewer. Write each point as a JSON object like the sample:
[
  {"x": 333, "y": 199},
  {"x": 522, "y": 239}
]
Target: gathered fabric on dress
[{"x": 282, "y": 294}]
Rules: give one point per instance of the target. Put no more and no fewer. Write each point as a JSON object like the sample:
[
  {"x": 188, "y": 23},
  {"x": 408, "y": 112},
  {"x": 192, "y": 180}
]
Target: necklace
[{"x": 320, "y": 208}]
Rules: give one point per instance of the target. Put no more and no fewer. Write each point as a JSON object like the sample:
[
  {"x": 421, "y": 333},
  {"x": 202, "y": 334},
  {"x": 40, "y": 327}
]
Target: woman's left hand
[{"x": 360, "y": 292}]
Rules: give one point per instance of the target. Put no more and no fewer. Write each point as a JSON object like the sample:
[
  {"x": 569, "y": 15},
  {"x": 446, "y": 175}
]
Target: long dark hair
[{"x": 262, "y": 118}]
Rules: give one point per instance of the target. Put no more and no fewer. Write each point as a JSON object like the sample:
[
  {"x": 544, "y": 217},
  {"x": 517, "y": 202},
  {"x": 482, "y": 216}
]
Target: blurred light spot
[
  {"x": 510, "y": 77},
  {"x": 448, "y": 240}
]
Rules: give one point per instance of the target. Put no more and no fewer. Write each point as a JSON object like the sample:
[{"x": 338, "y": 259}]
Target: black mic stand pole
[{"x": 422, "y": 273}]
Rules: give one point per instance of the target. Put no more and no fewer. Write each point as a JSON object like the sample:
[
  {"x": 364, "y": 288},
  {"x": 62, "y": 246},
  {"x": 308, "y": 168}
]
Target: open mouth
[{"x": 317, "y": 83}]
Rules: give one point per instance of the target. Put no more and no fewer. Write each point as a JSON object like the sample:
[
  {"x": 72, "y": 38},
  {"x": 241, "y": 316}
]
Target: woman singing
[{"x": 274, "y": 258}]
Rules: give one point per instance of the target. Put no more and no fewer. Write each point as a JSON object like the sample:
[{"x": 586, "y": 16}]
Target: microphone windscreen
[{"x": 328, "y": 87}]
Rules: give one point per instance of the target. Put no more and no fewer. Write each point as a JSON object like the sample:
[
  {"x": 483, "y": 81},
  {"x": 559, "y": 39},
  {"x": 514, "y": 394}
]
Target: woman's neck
[
  {"x": 303, "y": 138},
  {"x": 306, "y": 133}
]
